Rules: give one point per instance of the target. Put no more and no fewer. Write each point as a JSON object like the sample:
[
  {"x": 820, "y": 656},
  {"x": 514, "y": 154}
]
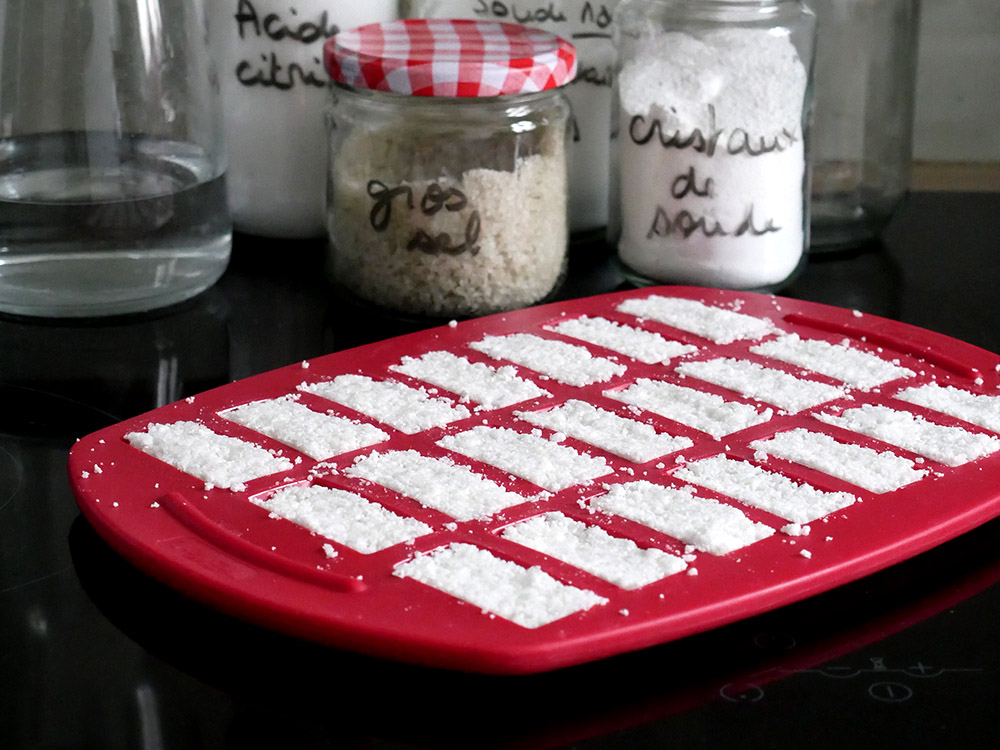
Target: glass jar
[
  {"x": 447, "y": 190},
  {"x": 712, "y": 105},
  {"x": 588, "y": 26},
  {"x": 862, "y": 135}
]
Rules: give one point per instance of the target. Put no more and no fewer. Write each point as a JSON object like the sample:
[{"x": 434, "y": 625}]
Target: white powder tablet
[
  {"x": 840, "y": 361},
  {"x": 713, "y": 323},
  {"x": 627, "y": 438},
  {"x": 762, "y": 383},
  {"x": 645, "y": 346},
  {"x": 566, "y": 363},
  {"x": 952, "y": 446},
  {"x": 317, "y": 435},
  {"x": 491, "y": 387},
  {"x": 344, "y": 517},
  {"x": 591, "y": 548},
  {"x": 775, "y": 493},
  {"x": 409, "y": 410},
  {"x": 528, "y": 597},
  {"x": 438, "y": 483},
  {"x": 872, "y": 470},
  {"x": 703, "y": 523},
  {"x": 975, "y": 408},
  {"x": 219, "y": 460},
  {"x": 545, "y": 463},
  {"x": 703, "y": 411}
]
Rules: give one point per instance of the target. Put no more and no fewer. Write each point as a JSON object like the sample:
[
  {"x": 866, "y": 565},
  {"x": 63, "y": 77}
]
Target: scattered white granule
[
  {"x": 410, "y": 410},
  {"x": 305, "y": 364},
  {"x": 703, "y": 411},
  {"x": 566, "y": 363},
  {"x": 952, "y": 446},
  {"x": 972, "y": 407},
  {"x": 635, "y": 441},
  {"x": 491, "y": 387},
  {"x": 344, "y": 517},
  {"x": 806, "y": 553},
  {"x": 714, "y": 323},
  {"x": 437, "y": 483},
  {"x": 839, "y": 361},
  {"x": 795, "y": 529},
  {"x": 549, "y": 465},
  {"x": 220, "y": 460},
  {"x": 329, "y": 551},
  {"x": 702, "y": 523},
  {"x": 590, "y": 548},
  {"x": 861, "y": 466},
  {"x": 528, "y": 597},
  {"x": 84, "y": 474},
  {"x": 317, "y": 435},
  {"x": 775, "y": 493},
  {"x": 645, "y": 346},
  {"x": 692, "y": 571},
  {"x": 762, "y": 383}
]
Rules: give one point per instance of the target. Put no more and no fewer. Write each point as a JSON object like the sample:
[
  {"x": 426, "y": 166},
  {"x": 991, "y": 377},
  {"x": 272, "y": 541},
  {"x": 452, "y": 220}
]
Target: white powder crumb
[
  {"x": 856, "y": 313},
  {"x": 344, "y": 517},
  {"x": 98, "y": 469},
  {"x": 627, "y": 438},
  {"x": 329, "y": 551},
  {"x": 829, "y": 539},
  {"x": 805, "y": 553},
  {"x": 623, "y": 612},
  {"x": 318, "y": 435},
  {"x": 775, "y": 493},
  {"x": 978, "y": 381},
  {"x": 566, "y": 363},
  {"x": 549, "y": 465},
  {"x": 409, "y": 410},
  {"x": 637, "y": 343},
  {"x": 305, "y": 364},
  {"x": 220, "y": 460},
  {"x": 190, "y": 399},
  {"x": 949, "y": 445},
  {"x": 974, "y": 408},
  {"x": 453, "y": 324},
  {"x": 692, "y": 571},
  {"x": 154, "y": 505},
  {"x": 714, "y": 323},
  {"x": 490, "y": 387},
  {"x": 528, "y": 597},
  {"x": 84, "y": 474},
  {"x": 839, "y": 361},
  {"x": 590, "y": 548},
  {"x": 762, "y": 383},
  {"x": 437, "y": 483},
  {"x": 115, "y": 504},
  {"x": 451, "y": 526},
  {"x": 702, "y": 523},
  {"x": 864, "y": 467},
  {"x": 703, "y": 411},
  {"x": 795, "y": 529}
]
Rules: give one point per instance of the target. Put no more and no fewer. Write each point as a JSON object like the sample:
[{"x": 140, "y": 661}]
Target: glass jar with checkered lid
[{"x": 447, "y": 192}]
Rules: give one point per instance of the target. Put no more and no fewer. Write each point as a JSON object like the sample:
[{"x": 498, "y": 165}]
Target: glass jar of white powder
[
  {"x": 712, "y": 105},
  {"x": 447, "y": 192}
]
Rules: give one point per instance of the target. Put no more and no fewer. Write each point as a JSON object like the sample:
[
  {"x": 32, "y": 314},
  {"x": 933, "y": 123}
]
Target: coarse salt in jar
[{"x": 447, "y": 192}]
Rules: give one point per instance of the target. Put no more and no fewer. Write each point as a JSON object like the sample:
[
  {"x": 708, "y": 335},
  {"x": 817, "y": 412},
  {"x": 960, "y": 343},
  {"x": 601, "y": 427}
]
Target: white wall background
[{"x": 957, "y": 116}]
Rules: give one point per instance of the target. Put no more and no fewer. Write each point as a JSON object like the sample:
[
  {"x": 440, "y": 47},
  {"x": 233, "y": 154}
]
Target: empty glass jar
[{"x": 863, "y": 123}]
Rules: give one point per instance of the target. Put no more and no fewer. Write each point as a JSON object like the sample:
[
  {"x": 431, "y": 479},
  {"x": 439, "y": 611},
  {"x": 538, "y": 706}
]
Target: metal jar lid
[{"x": 450, "y": 58}]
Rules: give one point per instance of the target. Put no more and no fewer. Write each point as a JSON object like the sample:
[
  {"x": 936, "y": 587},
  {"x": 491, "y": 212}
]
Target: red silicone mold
[{"x": 217, "y": 545}]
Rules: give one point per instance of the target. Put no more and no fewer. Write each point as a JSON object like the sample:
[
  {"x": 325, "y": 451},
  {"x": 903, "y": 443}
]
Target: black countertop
[{"x": 93, "y": 654}]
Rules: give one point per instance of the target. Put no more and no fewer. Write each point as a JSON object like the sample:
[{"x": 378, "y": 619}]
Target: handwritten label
[
  {"x": 689, "y": 184},
  {"x": 271, "y": 68},
  {"x": 435, "y": 198}
]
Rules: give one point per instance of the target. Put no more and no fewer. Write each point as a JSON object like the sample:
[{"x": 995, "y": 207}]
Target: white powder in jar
[
  {"x": 712, "y": 163},
  {"x": 506, "y": 243}
]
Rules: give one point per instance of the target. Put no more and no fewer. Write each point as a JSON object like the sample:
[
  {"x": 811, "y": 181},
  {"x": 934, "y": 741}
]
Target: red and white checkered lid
[{"x": 450, "y": 58}]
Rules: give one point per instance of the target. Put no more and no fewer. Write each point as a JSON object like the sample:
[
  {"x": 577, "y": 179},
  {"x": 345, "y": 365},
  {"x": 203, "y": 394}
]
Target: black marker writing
[{"x": 685, "y": 223}]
